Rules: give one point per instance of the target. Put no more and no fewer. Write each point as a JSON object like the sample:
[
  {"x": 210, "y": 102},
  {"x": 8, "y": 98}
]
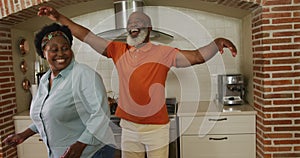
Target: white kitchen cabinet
[
  {"x": 217, "y": 133},
  {"x": 33, "y": 147}
]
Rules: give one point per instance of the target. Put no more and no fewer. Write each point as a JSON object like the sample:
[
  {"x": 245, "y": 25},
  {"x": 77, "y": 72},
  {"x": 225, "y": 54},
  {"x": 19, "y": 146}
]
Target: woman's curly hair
[{"x": 46, "y": 30}]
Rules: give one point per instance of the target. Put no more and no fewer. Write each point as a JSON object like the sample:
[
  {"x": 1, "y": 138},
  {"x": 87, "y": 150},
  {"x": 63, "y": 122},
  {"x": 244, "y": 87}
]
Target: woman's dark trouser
[{"x": 105, "y": 152}]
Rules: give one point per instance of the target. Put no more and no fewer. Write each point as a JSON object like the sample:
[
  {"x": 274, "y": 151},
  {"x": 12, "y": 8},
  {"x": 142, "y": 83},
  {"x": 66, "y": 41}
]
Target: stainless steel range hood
[{"x": 123, "y": 8}]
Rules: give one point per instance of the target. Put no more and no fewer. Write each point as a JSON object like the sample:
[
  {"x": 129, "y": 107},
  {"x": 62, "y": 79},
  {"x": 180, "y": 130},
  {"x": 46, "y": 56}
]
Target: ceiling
[{"x": 71, "y": 8}]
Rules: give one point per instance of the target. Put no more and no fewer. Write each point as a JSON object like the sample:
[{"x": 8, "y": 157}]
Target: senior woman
[{"x": 70, "y": 110}]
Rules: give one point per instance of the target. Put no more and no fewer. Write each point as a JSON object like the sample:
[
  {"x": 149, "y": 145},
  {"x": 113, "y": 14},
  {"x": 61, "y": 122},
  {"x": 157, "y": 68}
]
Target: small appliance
[{"x": 231, "y": 89}]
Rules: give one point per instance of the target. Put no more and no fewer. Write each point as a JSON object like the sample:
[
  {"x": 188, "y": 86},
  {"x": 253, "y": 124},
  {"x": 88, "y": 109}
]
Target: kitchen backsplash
[{"x": 191, "y": 29}]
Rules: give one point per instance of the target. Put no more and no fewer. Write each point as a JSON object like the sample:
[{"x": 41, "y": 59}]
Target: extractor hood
[{"x": 123, "y": 8}]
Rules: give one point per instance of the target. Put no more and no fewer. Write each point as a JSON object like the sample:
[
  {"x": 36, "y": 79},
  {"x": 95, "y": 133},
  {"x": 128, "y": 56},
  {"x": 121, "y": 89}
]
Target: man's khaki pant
[{"x": 140, "y": 138}]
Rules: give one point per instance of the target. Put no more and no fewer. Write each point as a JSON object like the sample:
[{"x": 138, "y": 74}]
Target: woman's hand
[
  {"x": 16, "y": 139},
  {"x": 74, "y": 151},
  {"x": 13, "y": 140}
]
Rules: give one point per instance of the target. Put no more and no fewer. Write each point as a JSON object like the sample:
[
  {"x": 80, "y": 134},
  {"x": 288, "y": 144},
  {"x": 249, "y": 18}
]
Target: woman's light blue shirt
[{"x": 74, "y": 109}]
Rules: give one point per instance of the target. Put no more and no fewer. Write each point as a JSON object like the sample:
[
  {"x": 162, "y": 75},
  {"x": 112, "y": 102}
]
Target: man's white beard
[{"x": 139, "y": 39}]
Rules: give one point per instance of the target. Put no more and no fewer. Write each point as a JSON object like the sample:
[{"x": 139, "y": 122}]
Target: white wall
[{"x": 191, "y": 29}]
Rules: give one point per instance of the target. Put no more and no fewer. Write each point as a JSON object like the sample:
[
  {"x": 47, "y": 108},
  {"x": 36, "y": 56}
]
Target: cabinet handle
[
  {"x": 224, "y": 138},
  {"x": 40, "y": 140},
  {"x": 221, "y": 119}
]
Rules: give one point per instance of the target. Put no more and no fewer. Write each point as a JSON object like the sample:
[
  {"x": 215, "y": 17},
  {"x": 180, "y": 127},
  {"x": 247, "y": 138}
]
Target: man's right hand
[{"x": 50, "y": 12}]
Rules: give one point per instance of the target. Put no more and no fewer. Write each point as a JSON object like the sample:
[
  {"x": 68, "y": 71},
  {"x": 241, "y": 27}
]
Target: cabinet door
[
  {"x": 218, "y": 146},
  {"x": 33, "y": 147}
]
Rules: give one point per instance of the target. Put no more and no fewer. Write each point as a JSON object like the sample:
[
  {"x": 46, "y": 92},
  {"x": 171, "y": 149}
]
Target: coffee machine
[{"x": 231, "y": 89}]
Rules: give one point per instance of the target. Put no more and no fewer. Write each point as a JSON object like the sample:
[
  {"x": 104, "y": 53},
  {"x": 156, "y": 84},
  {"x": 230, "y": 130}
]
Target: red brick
[
  {"x": 257, "y": 68},
  {"x": 5, "y": 102},
  {"x": 257, "y": 93},
  {"x": 277, "y": 2},
  {"x": 7, "y": 85},
  {"x": 7, "y": 96},
  {"x": 276, "y": 96},
  {"x": 288, "y": 88},
  {"x": 261, "y": 62},
  {"x": 278, "y": 135},
  {"x": 276, "y": 15},
  {"x": 285, "y": 20},
  {"x": 286, "y": 61},
  {"x": 262, "y": 89},
  {"x": 278, "y": 82},
  {"x": 277, "y": 122},
  {"x": 297, "y": 121},
  {"x": 276, "y": 109},
  {"x": 261, "y": 75},
  {"x": 263, "y": 115},
  {"x": 286, "y": 115},
  {"x": 286, "y": 155},
  {"x": 288, "y": 128},
  {"x": 277, "y": 68},
  {"x": 264, "y": 102},
  {"x": 265, "y": 129},
  {"x": 296, "y": 14},
  {"x": 8, "y": 63},
  {"x": 297, "y": 148},
  {"x": 262, "y": 35},
  {"x": 261, "y": 22},
  {"x": 285, "y": 102},
  {"x": 277, "y": 55},
  {"x": 287, "y": 74},
  {"x": 277, "y": 40},
  {"x": 286, "y": 8},
  {"x": 275, "y": 149},
  {"x": 256, "y": 30},
  {"x": 286, "y": 33},
  {"x": 286, "y": 47}
]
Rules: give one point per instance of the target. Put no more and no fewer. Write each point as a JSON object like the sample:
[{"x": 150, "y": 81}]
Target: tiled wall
[{"x": 200, "y": 28}]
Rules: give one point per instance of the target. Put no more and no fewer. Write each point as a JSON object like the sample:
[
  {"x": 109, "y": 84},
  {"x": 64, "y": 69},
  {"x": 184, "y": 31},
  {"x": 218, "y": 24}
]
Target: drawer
[
  {"x": 237, "y": 124},
  {"x": 21, "y": 125},
  {"x": 218, "y": 146}
]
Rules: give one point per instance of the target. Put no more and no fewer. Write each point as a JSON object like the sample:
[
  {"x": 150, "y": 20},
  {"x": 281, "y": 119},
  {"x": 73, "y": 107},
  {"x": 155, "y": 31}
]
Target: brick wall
[
  {"x": 276, "y": 71},
  {"x": 276, "y": 59},
  {"x": 7, "y": 91}
]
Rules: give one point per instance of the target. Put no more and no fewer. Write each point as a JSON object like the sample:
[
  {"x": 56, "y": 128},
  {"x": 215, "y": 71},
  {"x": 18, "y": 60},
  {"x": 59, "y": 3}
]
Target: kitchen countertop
[
  {"x": 203, "y": 108},
  {"x": 22, "y": 115}
]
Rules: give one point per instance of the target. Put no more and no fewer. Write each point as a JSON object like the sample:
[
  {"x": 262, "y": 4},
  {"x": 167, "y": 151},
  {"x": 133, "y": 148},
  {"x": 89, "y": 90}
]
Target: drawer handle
[
  {"x": 221, "y": 119},
  {"x": 40, "y": 140},
  {"x": 224, "y": 138}
]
